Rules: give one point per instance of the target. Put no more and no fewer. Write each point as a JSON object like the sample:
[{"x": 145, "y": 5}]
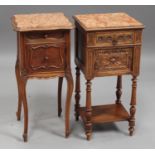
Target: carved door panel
[
  {"x": 113, "y": 61},
  {"x": 45, "y": 57}
]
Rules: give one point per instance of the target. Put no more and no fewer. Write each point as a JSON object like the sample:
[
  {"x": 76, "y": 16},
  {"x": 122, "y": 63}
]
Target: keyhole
[{"x": 114, "y": 42}]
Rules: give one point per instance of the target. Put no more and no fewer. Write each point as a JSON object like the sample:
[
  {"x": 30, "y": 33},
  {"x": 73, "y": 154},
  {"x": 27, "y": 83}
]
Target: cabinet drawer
[
  {"x": 112, "y": 61},
  {"x": 45, "y": 57},
  {"x": 45, "y": 36},
  {"x": 110, "y": 38}
]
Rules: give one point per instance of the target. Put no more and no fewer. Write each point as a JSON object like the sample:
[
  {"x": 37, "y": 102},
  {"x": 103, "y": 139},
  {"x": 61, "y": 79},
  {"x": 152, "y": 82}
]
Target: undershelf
[{"x": 106, "y": 113}]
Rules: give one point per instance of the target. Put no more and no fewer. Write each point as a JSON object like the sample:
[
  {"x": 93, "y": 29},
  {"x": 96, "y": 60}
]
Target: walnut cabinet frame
[
  {"x": 106, "y": 52},
  {"x": 43, "y": 54}
]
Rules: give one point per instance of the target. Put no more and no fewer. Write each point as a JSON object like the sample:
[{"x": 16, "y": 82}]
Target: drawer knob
[
  {"x": 46, "y": 36},
  {"x": 113, "y": 60},
  {"x": 46, "y": 46},
  {"x": 114, "y": 42},
  {"x": 46, "y": 58}
]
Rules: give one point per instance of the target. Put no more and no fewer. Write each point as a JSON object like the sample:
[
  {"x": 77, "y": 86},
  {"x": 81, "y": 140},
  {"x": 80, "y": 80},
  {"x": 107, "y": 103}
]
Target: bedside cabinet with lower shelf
[{"x": 106, "y": 45}]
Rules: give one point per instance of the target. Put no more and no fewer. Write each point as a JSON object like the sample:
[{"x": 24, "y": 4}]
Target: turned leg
[
  {"x": 18, "y": 113},
  {"x": 59, "y": 95},
  {"x": 119, "y": 89},
  {"x": 132, "y": 106},
  {"x": 88, "y": 110},
  {"x": 69, "y": 79},
  {"x": 24, "y": 99},
  {"x": 77, "y": 94}
]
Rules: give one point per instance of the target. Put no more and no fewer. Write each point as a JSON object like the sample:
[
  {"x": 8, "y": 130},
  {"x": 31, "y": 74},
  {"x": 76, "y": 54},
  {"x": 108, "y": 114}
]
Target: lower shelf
[{"x": 106, "y": 113}]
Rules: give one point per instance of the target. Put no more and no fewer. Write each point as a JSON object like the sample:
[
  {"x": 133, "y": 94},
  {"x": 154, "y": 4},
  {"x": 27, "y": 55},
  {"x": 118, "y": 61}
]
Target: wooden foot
[
  {"x": 67, "y": 134},
  {"x": 24, "y": 99},
  {"x": 133, "y": 106},
  {"x": 18, "y": 116},
  {"x": 18, "y": 78},
  {"x": 25, "y": 137},
  {"x": 88, "y": 110},
  {"x": 131, "y": 131},
  {"x": 69, "y": 79},
  {"x": 77, "y": 94},
  {"x": 59, "y": 95},
  {"x": 88, "y": 137},
  {"x": 119, "y": 89}
]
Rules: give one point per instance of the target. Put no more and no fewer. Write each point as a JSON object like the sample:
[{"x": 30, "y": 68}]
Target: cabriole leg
[
  {"x": 59, "y": 95},
  {"x": 18, "y": 113},
  {"x": 24, "y": 99},
  {"x": 69, "y": 79}
]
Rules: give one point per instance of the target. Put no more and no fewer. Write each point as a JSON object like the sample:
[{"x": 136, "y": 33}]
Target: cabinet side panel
[
  {"x": 136, "y": 60},
  {"x": 81, "y": 51},
  {"x": 21, "y": 53}
]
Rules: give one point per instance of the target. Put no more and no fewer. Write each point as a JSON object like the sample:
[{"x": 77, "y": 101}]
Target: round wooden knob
[
  {"x": 114, "y": 42},
  {"x": 113, "y": 60},
  {"x": 46, "y": 36},
  {"x": 46, "y": 58},
  {"x": 46, "y": 46}
]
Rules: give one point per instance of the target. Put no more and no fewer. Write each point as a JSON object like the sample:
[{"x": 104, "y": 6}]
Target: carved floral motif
[
  {"x": 115, "y": 38},
  {"x": 113, "y": 59}
]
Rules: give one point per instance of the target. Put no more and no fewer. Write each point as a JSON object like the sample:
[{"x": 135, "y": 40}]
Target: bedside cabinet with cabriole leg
[
  {"x": 43, "y": 52},
  {"x": 106, "y": 45}
]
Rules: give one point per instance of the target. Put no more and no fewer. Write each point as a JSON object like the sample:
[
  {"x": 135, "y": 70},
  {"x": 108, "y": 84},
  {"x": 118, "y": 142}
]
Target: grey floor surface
[{"x": 46, "y": 130}]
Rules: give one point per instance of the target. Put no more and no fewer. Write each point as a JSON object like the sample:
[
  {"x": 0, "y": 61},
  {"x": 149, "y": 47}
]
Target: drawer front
[
  {"x": 113, "y": 61},
  {"x": 45, "y": 57},
  {"x": 45, "y": 36},
  {"x": 106, "y": 39}
]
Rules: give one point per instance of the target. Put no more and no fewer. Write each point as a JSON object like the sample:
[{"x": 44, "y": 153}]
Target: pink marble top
[
  {"x": 40, "y": 21},
  {"x": 107, "y": 21}
]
